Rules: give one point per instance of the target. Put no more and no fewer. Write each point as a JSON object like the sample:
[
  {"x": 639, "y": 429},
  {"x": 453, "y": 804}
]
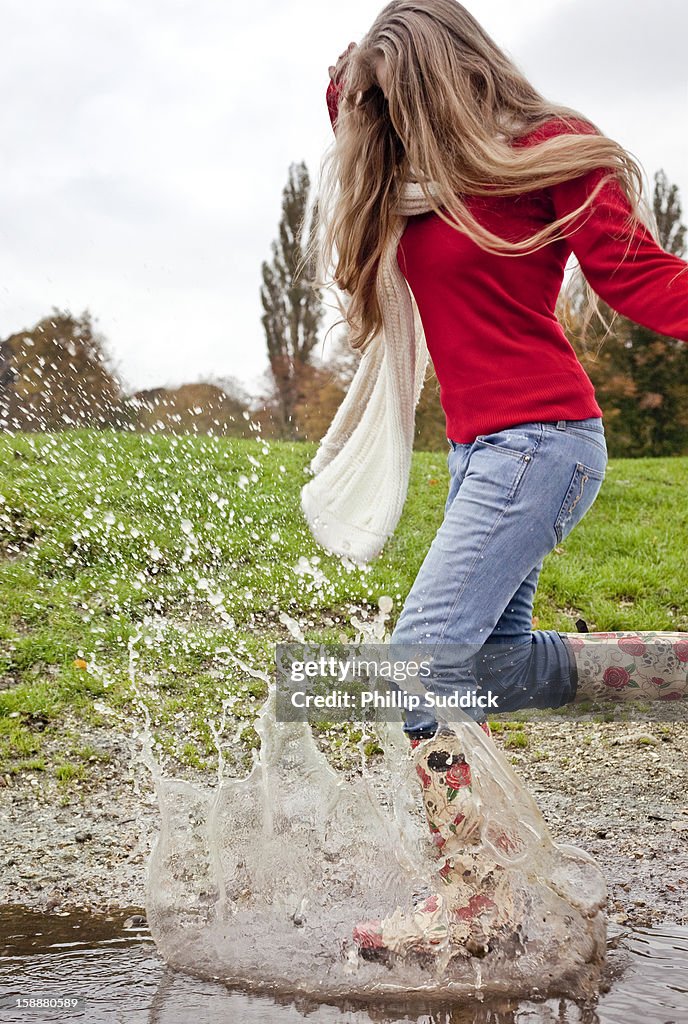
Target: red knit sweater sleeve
[
  {"x": 332, "y": 99},
  {"x": 628, "y": 269}
]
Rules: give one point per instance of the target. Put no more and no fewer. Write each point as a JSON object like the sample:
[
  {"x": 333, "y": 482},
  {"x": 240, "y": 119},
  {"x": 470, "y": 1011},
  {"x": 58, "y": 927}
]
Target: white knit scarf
[{"x": 361, "y": 469}]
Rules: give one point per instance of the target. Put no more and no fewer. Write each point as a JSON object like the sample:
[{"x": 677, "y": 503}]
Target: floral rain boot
[
  {"x": 474, "y": 899},
  {"x": 629, "y": 665}
]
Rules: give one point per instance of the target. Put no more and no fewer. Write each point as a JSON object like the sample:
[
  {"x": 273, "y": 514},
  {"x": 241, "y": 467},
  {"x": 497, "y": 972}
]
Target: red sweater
[{"x": 499, "y": 352}]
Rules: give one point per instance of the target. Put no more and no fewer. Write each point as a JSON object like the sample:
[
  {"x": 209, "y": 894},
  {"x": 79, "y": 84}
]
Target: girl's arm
[
  {"x": 628, "y": 269},
  {"x": 332, "y": 99},
  {"x": 334, "y": 88}
]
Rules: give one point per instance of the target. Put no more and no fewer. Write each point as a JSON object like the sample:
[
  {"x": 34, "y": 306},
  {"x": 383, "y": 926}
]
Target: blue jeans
[{"x": 513, "y": 496}]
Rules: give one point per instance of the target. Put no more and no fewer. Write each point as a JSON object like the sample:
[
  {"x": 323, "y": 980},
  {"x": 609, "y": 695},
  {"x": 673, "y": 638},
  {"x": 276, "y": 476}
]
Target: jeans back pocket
[{"x": 582, "y": 490}]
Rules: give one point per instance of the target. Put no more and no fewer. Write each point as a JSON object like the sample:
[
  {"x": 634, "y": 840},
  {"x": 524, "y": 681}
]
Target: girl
[{"x": 517, "y": 184}]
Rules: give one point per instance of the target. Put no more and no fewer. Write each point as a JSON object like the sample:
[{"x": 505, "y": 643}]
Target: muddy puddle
[{"x": 106, "y": 969}]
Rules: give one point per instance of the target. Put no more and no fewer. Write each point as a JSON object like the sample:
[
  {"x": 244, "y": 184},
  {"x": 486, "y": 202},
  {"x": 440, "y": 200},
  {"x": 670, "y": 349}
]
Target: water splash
[{"x": 259, "y": 881}]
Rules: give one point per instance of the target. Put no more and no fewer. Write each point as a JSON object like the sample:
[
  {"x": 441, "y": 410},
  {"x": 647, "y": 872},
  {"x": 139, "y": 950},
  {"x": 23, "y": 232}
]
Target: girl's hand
[{"x": 335, "y": 70}]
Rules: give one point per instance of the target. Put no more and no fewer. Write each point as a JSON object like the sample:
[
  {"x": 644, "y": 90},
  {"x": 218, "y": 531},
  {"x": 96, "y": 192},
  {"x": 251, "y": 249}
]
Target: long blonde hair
[{"x": 455, "y": 102}]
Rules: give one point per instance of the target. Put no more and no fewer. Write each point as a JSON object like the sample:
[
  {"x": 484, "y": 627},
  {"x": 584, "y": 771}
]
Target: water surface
[{"x": 118, "y": 976}]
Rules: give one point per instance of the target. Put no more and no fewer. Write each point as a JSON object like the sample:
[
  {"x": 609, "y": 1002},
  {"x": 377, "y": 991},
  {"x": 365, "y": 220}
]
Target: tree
[
  {"x": 292, "y": 305},
  {"x": 641, "y": 377},
  {"x": 56, "y": 375},
  {"x": 206, "y": 407},
  {"x": 431, "y": 425},
  {"x": 667, "y": 210},
  {"x": 659, "y": 365}
]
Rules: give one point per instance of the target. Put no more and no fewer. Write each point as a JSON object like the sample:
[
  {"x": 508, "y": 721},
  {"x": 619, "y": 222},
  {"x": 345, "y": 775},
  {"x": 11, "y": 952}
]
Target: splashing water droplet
[{"x": 261, "y": 881}]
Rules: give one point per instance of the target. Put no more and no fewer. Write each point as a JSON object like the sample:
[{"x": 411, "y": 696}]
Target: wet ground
[
  {"x": 617, "y": 789},
  {"x": 104, "y": 968}
]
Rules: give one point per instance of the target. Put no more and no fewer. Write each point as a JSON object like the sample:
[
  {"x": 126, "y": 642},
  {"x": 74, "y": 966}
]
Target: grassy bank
[{"x": 197, "y": 545}]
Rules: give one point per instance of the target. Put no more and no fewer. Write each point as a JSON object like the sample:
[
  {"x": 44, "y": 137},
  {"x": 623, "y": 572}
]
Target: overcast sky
[{"x": 146, "y": 143}]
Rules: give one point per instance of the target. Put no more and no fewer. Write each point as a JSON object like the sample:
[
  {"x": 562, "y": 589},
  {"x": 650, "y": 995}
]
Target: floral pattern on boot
[
  {"x": 628, "y": 665},
  {"x": 475, "y": 900}
]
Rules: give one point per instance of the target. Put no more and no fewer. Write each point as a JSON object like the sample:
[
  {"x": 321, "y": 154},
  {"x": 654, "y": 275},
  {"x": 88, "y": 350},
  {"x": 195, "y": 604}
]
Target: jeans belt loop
[{"x": 561, "y": 424}]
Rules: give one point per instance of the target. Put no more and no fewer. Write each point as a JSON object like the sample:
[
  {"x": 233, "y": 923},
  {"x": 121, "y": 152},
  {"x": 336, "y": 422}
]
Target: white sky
[{"x": 146, "y": 143}]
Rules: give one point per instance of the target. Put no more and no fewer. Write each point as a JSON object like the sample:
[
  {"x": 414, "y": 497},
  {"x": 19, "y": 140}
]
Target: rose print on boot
[
  {"x": 475, "y": 901},
  {"x": 628, "y": 665}
]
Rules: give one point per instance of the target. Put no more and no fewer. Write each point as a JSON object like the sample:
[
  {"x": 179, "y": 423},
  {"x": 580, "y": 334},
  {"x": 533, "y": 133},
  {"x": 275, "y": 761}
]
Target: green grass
[
  {"x": 516, "y": 740},
  {"x": 198, "y": 543}
]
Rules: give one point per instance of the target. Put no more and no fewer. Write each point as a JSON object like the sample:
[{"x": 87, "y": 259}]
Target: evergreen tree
[{"x": 292, "y": 305}]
